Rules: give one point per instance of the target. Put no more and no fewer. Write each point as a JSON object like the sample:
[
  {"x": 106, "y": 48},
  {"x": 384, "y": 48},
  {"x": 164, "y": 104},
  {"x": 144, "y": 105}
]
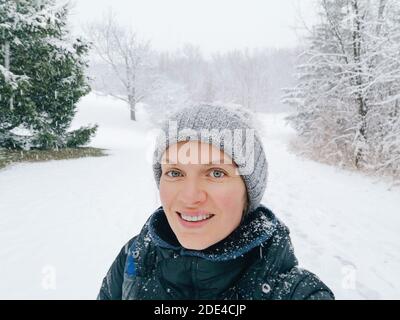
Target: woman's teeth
[{"x": 195, "y": 218}]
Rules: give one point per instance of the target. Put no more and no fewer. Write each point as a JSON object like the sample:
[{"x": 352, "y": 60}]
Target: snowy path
[
  {"x": 67, "y": 220},
  {"x": 63, "y": 222}
]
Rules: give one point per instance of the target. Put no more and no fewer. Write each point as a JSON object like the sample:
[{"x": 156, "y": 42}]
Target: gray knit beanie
[{"x": 232, "y": 130}]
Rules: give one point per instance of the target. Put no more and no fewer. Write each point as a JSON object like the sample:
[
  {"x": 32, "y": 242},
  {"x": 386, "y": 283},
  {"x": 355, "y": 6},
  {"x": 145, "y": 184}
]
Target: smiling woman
[
  {"x": 211, "y": 238},
  {"x": 204, "y": 199}
]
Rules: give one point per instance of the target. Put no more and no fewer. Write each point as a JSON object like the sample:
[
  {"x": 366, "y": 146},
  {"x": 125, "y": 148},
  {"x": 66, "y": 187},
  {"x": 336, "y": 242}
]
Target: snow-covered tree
[
  {"x": 41, "y": 76},
  {"x": 251, "y": 78},
  {"x": 346, "y": 98},
  {"x": 129, "y": 59}
]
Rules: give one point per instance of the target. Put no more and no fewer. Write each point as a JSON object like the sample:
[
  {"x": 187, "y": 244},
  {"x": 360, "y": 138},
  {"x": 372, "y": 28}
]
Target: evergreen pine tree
[{"x": 41, "y": 77}]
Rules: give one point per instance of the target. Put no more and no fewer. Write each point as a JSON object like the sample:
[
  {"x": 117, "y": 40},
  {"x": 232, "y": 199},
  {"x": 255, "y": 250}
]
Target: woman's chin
[{"x": 194, "y": 246}]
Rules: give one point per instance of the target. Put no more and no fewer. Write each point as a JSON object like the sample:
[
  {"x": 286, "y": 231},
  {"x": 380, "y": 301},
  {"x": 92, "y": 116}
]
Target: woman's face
[{"x": 201, "y": 193}]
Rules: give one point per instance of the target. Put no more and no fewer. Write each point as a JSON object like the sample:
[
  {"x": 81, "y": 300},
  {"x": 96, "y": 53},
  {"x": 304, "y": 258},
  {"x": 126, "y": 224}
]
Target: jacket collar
[
  {"x": 256, "y": 228},
  {"x": 231, "y": 268}
]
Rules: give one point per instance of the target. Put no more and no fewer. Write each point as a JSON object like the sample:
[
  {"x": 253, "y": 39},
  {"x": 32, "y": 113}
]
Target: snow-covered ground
[{"x": 63, "y": 222}]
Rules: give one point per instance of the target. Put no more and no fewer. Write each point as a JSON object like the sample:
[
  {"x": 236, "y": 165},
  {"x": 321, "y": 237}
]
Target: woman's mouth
[{"x": 194, "y": 220}]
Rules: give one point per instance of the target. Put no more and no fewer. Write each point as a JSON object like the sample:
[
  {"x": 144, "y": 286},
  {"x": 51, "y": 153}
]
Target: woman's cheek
[
  {"x": 229, "y": 197},
  {"x": 166, "y": 194}
]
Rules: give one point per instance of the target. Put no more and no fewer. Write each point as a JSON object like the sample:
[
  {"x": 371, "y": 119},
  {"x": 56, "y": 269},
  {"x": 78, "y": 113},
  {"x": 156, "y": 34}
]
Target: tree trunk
[
  {"x": 363, "y": 129},
  {"x": 362, "y": 105},
  {"x": 381, "y": 9},
  {"x": 7, "y": 56},
  {"x": 132, "y": 107},
  {"x": 7, "y": 66}
]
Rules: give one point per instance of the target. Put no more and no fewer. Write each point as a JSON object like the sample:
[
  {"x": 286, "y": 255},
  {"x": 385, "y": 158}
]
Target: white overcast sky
[{"x": 214, "y": 25}]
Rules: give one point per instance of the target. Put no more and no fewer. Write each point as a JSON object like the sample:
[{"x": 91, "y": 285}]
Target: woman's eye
[
  {"x": 173, "y": 174},
  {"x": 217, "y": 173}
]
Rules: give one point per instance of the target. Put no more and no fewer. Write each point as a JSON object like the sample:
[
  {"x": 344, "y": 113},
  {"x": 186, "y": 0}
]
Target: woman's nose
[{"x": 192, "y": 193}]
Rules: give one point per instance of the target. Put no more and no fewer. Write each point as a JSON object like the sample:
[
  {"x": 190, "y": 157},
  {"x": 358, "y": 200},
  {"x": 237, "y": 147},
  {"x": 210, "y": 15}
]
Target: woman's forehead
[{"x": 195, "y": 152}]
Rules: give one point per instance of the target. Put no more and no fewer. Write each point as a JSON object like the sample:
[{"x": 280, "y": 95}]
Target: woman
[{"x": 211, "y": 238}]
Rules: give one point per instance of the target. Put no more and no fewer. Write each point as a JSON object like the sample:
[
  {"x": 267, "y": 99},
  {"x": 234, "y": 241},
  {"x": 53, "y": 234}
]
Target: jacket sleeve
[
  {"x": 111, "y": 287},
  {"x": 310, "y": 287}
]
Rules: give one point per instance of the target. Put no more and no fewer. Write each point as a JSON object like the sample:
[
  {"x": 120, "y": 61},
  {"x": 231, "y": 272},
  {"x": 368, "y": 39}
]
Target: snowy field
[{"x": 63, "y": 222}]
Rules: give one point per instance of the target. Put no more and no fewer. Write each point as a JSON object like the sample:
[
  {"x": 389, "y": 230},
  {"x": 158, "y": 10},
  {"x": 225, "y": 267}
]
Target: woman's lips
[
  {"x": 195, "y": 213},
  {"x": 193, "y": 224}
]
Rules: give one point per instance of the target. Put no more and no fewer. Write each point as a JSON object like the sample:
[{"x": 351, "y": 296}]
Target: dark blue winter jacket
[{"x": 256, "y": 261}]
